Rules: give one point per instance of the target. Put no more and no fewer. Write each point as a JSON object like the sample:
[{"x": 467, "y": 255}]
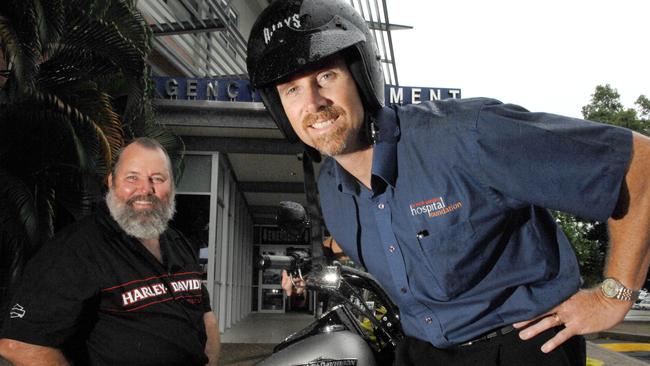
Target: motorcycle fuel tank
[{"x": 339, "y": 348}]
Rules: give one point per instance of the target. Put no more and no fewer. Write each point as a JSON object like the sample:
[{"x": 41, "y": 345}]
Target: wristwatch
[{"x": 613, "y": 289}]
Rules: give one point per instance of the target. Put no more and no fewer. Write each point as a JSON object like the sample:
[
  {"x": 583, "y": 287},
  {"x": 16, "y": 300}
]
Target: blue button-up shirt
[{"x": 456, "y": 226}]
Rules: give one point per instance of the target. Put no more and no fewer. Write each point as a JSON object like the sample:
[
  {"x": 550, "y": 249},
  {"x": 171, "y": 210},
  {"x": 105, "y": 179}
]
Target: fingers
[
  {"x": 288, "y": 286},
  {"x": 524, "y": 324},
  {"x": 547, "y": 322},
  {"x": 299, "y": 286},
  {"x": 585, "y": 312},
  {"x": 561, "y": 337}
]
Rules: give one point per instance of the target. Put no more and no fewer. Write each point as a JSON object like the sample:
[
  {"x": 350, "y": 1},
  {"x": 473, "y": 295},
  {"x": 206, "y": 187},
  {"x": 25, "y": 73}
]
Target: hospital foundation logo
[{"x": 433, "y": 207}]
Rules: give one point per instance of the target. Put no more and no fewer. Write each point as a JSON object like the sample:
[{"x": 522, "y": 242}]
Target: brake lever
[{"x": 299, "y": 273}]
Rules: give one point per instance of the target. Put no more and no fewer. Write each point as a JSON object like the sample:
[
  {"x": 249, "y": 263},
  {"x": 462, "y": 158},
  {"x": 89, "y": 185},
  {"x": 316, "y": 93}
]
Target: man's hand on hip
[{"x": 587, "y": 311}]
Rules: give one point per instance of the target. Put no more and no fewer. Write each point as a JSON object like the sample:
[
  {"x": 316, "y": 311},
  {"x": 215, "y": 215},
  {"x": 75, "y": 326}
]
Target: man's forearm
[
  {"x": 629, "y": 228},
  {"x": 213, "y": 344},
  {"x": 25, "y": 354}
]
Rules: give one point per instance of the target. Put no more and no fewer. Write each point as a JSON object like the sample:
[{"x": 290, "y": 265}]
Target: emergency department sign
[{"x": 239, "y": 90}]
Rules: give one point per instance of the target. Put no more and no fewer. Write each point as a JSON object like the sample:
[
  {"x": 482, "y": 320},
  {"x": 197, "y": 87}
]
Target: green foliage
[
  {"x": 606, "y": 107},
  {"x": 643, "y": 104},
  {"x": 590, "y": 252}
]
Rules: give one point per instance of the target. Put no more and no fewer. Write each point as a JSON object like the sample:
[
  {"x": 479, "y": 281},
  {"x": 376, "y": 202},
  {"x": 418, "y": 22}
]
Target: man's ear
[{"x": 109, "y": 180}]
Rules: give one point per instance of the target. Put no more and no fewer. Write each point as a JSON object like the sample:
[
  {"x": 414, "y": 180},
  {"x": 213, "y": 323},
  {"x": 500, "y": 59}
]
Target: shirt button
[
  {"x": 381, "y": 206},
  {"x": 391, "y": 248},
  {"x": 428, "y": 320},
  {"x": 403, "y": 290}
]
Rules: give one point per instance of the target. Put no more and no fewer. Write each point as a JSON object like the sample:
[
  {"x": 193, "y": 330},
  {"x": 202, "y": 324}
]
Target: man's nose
[
  {"x": 145, "y": 186},
  {"x": 315, "y": 99}
]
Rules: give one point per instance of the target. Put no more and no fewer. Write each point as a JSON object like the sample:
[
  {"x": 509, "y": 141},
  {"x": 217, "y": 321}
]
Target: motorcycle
[{"x": 359, "y": 327}]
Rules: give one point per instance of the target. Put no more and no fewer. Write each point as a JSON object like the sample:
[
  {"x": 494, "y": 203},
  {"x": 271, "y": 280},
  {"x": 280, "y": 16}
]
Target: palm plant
[{"x": 75, "y": 85}]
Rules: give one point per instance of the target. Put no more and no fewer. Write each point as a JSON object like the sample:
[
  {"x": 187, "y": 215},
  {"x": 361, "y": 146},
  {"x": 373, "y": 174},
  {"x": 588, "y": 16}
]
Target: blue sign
[
  {"x": 239, "y": 90},
  {"x": 221, "y": 89},
  {"x": 415, "y": 94}
]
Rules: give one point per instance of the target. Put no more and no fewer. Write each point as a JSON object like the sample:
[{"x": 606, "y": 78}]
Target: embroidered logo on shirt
[
  {"x": 145, "y": 292},
  {"x": 140, "y": 294},
  {"x": 433, "y": 207},
  {"x": 17, "y": 311}
]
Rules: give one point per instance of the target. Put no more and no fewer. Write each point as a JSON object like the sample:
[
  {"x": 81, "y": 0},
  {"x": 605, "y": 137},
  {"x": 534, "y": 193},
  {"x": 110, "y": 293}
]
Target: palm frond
[
  {"x": 68, "y": 66},
  {"x": 44, "y": 195},
  {"x": 20, "y": 53},
  {"x": 104, "y": 38},
  {"x": 128, "y": 19},
  {"x": 18, "y": 202},
  {"x": 77, "y": 116},
  {"x": 50, "y": 15}
]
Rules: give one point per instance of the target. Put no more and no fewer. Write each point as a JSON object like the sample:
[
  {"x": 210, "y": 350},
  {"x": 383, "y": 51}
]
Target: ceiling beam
[
  {"x": 264, "y": 221},
  {"x": 272, "y": 187},
  {"x": 186, "y": 27},
  {"x": 269, "y": 210},
  {"x": 204, "y": 113},
  {"x": 232, "y": 145}
]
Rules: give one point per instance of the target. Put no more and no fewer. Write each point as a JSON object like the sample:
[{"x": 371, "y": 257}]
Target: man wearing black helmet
[{"x": 445, "y": 202}]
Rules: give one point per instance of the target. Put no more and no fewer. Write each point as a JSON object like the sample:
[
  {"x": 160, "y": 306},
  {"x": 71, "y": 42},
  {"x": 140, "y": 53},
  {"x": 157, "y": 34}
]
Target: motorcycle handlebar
[
  {"x": 276, "y": 262},
  {"x": 292, "y": 262}
]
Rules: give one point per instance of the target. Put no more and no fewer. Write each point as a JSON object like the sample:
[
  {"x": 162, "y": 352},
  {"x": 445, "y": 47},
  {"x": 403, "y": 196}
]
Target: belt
[{"x": 489, "y": 336}]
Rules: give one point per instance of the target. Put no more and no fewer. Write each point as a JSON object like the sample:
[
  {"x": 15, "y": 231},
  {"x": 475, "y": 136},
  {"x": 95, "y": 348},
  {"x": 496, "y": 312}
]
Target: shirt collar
[{"x": 384, "y": 156}]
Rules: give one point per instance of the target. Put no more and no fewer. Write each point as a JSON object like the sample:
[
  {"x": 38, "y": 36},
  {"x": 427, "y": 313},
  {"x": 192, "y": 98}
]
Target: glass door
[{"x": 270, "y": 295}]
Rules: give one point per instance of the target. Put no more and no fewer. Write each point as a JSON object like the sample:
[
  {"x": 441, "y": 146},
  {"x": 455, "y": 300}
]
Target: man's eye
[
  {"x": 158, "y": 179},
  {"x": 326, "y": 76},
  {"x": 131, "y": 178},
  {"x": 291, "y": 91}
]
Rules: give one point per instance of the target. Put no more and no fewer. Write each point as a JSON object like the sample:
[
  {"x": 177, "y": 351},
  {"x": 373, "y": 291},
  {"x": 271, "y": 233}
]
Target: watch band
[
  {"x": 614, "y": 289},
  {"x": 627, "y": 295}
]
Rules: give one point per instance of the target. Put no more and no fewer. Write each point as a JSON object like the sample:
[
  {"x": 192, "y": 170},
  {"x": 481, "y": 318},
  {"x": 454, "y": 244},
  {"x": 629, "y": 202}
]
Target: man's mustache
[
  {"x": 325, "y": 114},
  {"x": 157, "y": 202}
]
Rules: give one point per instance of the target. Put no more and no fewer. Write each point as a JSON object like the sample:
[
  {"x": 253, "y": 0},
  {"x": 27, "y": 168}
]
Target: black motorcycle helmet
[{"x": 292, "y": 35}]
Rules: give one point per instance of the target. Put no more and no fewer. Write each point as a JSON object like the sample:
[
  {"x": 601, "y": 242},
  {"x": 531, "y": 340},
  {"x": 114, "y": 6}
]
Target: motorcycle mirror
[{"x": 292, "y": 218}]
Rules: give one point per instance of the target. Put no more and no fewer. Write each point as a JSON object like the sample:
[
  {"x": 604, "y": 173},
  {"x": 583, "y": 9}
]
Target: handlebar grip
[{"x": 276, "y": 262}]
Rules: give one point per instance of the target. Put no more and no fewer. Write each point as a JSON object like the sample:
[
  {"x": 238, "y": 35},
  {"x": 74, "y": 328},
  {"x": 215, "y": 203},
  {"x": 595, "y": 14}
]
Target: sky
[{"x": 547, "y": 56}]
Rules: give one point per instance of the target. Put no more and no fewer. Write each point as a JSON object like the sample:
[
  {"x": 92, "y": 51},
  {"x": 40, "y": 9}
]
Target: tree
[
  {"x": 606, "y": 107},
  {"x": 643, "y": 104},
  {"x": 589, "y": 238},
  {"x": 75, "y": 85},
  {"x": 590, "y": 252}
]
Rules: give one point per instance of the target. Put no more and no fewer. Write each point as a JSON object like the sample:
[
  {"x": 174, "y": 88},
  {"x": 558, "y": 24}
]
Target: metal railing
[{"x": 199, "y": 38}]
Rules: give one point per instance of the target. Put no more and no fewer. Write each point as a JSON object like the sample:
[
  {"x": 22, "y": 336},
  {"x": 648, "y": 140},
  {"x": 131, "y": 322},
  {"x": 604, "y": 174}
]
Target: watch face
[{"x": 609, "y": 287}]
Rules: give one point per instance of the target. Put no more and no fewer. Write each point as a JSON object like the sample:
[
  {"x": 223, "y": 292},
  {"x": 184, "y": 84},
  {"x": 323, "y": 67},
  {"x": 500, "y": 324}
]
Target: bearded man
[{"x": 118, "y": 287}]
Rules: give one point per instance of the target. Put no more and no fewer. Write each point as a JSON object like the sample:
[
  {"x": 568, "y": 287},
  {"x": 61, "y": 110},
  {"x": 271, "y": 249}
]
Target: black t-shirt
[{"x": 102, "y": 298}]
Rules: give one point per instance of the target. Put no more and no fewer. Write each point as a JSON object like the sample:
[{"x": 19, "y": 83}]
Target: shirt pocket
[{"x": 454, "y": 259}]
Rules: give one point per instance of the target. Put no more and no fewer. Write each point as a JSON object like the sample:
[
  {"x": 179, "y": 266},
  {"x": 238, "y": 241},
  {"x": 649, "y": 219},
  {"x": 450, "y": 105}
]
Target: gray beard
[{"x": 144, "y": 225}]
